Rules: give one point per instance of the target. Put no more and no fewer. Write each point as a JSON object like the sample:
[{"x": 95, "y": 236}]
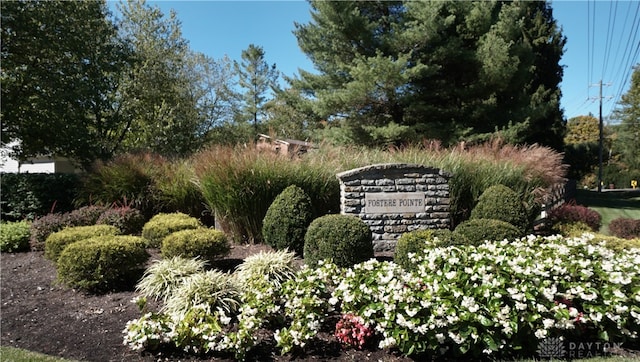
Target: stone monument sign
[{"x": 395, "y": 198}]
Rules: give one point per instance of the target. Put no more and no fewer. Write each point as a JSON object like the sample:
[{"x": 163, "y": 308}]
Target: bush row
[
  {"x": 101, "y": 259},
  {"x": 127, "y": 220}
]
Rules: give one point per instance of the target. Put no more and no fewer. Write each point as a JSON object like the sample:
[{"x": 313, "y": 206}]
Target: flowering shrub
[
  {"x": 352, "y": 331},
  {"x": 496, "y": 298}
]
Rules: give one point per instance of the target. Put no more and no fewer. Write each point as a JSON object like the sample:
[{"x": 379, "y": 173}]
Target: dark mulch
[{"x": 39, "y": 315}]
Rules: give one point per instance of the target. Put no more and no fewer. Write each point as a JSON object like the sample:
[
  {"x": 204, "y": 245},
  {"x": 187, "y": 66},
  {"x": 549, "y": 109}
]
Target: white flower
[
  {"x": 596, "y": 317},
  {"x": 456, "y": 337},
  {"x": 440, "y": 337},
  {"x": 541, "y": 333},
  {"x": 548, "y": 323},
  {"x": 387, "y": 343}
]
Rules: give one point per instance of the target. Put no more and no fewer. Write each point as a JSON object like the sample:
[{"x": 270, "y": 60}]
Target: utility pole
[{"x": 600, "y": 137}]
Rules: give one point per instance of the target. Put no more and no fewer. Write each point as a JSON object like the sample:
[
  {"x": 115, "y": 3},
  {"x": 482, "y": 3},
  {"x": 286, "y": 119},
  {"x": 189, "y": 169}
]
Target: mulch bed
[{"x": 40, "y": 315}]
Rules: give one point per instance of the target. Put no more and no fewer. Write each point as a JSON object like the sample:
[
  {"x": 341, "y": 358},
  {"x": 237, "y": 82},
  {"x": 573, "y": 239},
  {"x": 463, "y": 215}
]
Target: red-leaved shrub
[
  {"x": 625, "y": 228},
  {"x": 570, "y": 213}
]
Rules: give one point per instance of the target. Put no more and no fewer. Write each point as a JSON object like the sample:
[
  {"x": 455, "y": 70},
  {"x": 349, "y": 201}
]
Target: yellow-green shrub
[
  {"x": 161, "y": 225},
  {"x": 103, "y": 263},
  {"x": 202, "y": 242},
  {"x": 14, "y": 236},
  {"x": 58, "y": 241}
]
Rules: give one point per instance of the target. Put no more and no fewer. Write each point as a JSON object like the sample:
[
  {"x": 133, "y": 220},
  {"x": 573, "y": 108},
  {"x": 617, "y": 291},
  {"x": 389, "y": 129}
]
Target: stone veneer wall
[{"x": 393, "y": 192}]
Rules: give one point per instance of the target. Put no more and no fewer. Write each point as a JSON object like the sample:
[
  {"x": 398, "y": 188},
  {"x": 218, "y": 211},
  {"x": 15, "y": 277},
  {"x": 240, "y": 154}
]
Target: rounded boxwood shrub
[
  {"x": 14, "y": 236},
  {"x": 476, "y": 231},
  {"x": 499, "y": 202},
  {"x": 161, "y": 225},
  {"x": 58, "y": 241},
  {"x": 127, "y": 219},
  {"x": 343, "y": 238},
  {"x": 103, "y": 263},
  {"x": 417, "y": 241},
  {"x": 204, "y": 243},
  {"x": 287, "y": 219}
]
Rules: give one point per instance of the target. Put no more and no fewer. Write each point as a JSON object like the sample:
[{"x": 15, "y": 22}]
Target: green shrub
[
  {"x": 103, "y": 263},
  {"x": 205, "y": 243},
  {"x": 615, "y": 243},
  {"x": 163, "y": 276},
  {"x": 14, "y": 236},
  {"x": 499, "y": 202},
  {"x": 58, "y": 241},
  {"x": 571, "y": 228},
  {"x": 625, "y": 228},
  {"x": 418, "y": 240},
  {"x": 128, "y": 220},
  {"x": 161, "y": 225},
  {"x": 343, "y": 238},
  {"x": 476, "y": 231},
  {"x": 44, "y": 226},
  {"x": 287, "y": 220},
  {"x": 30, "y": 195}
]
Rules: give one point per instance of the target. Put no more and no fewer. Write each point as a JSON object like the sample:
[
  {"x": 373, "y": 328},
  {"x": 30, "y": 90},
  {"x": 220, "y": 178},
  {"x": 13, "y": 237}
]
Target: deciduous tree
[{"x": 61, "y": 66}]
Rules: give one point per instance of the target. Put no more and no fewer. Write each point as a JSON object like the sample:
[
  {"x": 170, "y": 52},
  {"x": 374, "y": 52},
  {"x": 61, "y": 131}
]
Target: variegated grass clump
[
  {"x": 163, "y": 276},
  {"x": 211, "y": 289},
  {"x": 276, "y": 266}
]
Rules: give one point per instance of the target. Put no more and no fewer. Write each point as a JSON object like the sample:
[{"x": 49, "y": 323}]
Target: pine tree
[
  {"x": 628, "y": 113},
  {"x": 450, "y": 70},
  {"x": 257, "y": 77}
]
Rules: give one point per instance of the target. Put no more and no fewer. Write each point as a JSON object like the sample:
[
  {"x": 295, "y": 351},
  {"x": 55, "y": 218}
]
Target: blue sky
[{"x": 603, "y": 41}]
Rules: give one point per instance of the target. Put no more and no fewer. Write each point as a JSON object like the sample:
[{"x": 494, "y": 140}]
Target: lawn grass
[
  {"x": 13, "y": 354},
  {"x": 611, "y": 205}
]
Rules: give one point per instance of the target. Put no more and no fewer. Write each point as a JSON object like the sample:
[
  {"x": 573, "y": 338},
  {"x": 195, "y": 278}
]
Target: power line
[
  {"x": 630, "y": 56},
  {"x": 608, "y": 38}
]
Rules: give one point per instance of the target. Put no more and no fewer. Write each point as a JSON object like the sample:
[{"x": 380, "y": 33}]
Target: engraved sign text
[{"x": 399, "y": 202}]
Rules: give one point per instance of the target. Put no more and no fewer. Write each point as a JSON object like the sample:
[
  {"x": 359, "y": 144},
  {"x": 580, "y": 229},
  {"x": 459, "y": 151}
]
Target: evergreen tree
[
  {"x": 628, "y": 113},
  {"x": 450, "y": 70},
  {"x": 256, "y": 77}
]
